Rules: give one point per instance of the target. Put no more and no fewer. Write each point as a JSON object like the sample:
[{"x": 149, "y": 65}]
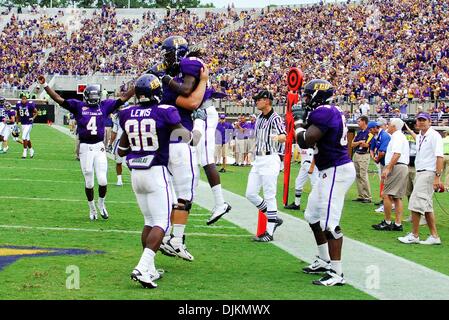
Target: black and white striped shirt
[{"x": 267, "y": 126}]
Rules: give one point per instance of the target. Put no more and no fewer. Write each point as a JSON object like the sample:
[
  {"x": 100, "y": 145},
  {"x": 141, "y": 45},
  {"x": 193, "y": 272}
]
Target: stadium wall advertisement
[{"x": 45, "y": 113}]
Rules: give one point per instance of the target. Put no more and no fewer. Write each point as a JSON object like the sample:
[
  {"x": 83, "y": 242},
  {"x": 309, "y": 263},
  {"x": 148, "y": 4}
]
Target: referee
[{"x": 269, "y": 133}]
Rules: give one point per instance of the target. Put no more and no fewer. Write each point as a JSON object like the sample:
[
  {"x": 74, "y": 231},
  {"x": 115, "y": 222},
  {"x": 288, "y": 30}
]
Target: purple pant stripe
[
  {"x": 168, "y": 199},
  {"x": 330, "y": 197},
  {"x": 193, "y": 173}
]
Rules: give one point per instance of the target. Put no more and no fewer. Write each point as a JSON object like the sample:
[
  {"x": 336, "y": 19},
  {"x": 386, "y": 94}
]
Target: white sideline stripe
[
  {"x": 54, "y": 181},
  {"x": 117, "y": 231},
  {"x": 39, "y": 168},
  {"x": 398, "y": 278},
  {"x": 64, "y": 200}
]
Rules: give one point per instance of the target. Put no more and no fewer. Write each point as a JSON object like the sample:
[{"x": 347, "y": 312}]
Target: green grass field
[{"x": 48, "y": 192}]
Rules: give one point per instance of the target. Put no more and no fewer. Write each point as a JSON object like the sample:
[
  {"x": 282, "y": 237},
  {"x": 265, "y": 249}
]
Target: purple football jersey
[
  {"x": 2, "y": 113},
  {"x": 9, "y": 115},
  {"x": 191, "y": 67},
  {"x": 332, "y": 149},
  {"x": 148, "y": 130},
  {"x": 91, "y": 120},
  {"x": 25, "y": 112}
]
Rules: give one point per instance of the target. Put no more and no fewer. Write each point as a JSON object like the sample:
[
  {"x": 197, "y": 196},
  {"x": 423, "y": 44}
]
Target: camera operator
[{"x": 429, "y": 165}]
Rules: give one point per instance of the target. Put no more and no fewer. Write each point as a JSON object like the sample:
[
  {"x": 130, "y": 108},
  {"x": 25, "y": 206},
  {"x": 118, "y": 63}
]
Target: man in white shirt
[
  {"x": 429, "y": 165},
  {"x": 394, "y": 175},
  {"x": 364, "y": 108}
]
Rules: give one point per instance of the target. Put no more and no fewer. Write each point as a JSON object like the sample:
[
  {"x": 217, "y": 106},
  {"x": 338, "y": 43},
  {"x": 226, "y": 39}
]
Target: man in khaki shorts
[
  {"x": 429, "y": 166},
  {"x": 395, "y": 176}
]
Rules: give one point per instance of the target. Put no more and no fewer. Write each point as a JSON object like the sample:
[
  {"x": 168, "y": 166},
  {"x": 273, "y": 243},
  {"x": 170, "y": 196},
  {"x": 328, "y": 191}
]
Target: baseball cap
[
  {"x": 423, "y": 115},
  {"x": 372, "y": 124},
  {"x": 263, "y": 94},
  {"x": 222, "y": 116}
]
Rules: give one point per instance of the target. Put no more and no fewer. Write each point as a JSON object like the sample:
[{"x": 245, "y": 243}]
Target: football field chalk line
[
  {"x": 374, "y": 271},
  {"x": 378, "y": 273},
  {"x": 117, "y": 231}
]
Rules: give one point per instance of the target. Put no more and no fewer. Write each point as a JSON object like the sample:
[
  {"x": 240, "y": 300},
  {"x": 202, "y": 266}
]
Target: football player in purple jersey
[
  {"x": 181, "y": 74},
  {"x": 322, "y": 126},
  {"x": 90, "y": 115},
  {"x": 26, "y": 113},
  {"x": 148, "y": 128}
]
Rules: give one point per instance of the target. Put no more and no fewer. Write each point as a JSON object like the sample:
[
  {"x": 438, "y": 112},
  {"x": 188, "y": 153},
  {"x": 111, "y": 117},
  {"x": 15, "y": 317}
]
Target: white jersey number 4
[{"x": 92, "y": 126}]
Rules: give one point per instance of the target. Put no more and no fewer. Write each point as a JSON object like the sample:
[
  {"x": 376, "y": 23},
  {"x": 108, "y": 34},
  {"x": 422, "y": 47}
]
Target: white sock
[
  {"x": 336, "y": 266},
  {"x": 297, "y": 201},
  {"x": 397, "y": 225},
  {"x": 178, "y": 230},
  {"x": 31, "y": 150},
  {"x": 218, "y": 195},
  {"x": 146, "y": 260},
  {"x": 24, "y": 152},
  {"x": 270, "y": 227},
  {"x": 92, "y": 205},
  {"x": 323, "y": 252},
  {"x": 101, "y": 202},
  {"x": 119, "y": 179},
  {"x": 388, "y": 221}
]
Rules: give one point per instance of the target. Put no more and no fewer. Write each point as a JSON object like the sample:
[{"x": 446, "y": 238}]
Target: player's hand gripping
[{"x": 300, "y": 115}]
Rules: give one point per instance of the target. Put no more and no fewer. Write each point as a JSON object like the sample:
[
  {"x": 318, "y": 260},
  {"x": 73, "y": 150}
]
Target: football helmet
[
  {"x": 2, "y": 101},
  {"x": 15, "y": 132},
  {"x": 317, "y": 92},
  {"x": 174, "y": 48},
  {"x": 92, "y": 94},
  {"x": 7, "y": 105},
  {"x": 148, "y": 89}
]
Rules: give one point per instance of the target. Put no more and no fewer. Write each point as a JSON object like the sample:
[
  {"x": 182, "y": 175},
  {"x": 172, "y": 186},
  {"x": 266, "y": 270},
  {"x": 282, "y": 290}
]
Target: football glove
[
  {"x": 199, "y": 114},
  {"x": 300, "y": 114}
]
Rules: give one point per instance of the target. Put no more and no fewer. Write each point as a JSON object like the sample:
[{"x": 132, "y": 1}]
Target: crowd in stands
[{"x": 383, "y": 52}]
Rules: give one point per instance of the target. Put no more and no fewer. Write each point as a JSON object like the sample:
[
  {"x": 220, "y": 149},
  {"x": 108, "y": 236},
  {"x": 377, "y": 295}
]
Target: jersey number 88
[{"x": 142, "y": 135}]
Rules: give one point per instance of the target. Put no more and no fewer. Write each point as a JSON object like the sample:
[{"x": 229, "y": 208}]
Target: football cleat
[
  {"x": 265, "y": 237},
  {"x": 103, "y": 212},
  {"x": 218, "y": 213},
  {"x": 318, "y": 266},
  {"x": 93, "y": 215},
  {"x": 292, "y": 206},
  {"x": 331, "y": 279},
  {"x": 166, "y": 249},
  {"x": 145, "y": 278},
  {"x": 177, "y": 245},
  {"x": 279, "y": 223}
]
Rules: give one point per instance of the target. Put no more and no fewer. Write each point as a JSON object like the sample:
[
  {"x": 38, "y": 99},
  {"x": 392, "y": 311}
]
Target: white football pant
[
  {"x": 93, "y": 160},
  {"x": 154, "y": 194},
  {"x": 325, "y": 203},
  {"x": 26, "y": 130},
  {"x": 183, "y": 165},
  {"x": 206, "y": 146}
]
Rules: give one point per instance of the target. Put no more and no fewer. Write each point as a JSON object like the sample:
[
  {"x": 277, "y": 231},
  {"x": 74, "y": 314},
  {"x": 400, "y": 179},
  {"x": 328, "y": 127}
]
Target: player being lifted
[
  {"x": 180, "y": 76},
  {"x": 323, "y": 126},
  {"x": 26, "y": 112},
  {"x": 90, "y": 115},
  {"x": 147, "y": 130}
]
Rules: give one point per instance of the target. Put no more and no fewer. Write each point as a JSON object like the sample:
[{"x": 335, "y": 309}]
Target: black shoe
[
  {"x": 279, "y": 222},
  {"x": 265, "y": 237},
  {"x": 292, "y": 206},
  {"x": 383, "y": 226},
  {"x": 222, "y": 170},
  {"x": 235, "y": 164},
  {"x": 358, "y": 200},
  {"x": 365, "y": 201},
  {"x": 394, "y": 227}
]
